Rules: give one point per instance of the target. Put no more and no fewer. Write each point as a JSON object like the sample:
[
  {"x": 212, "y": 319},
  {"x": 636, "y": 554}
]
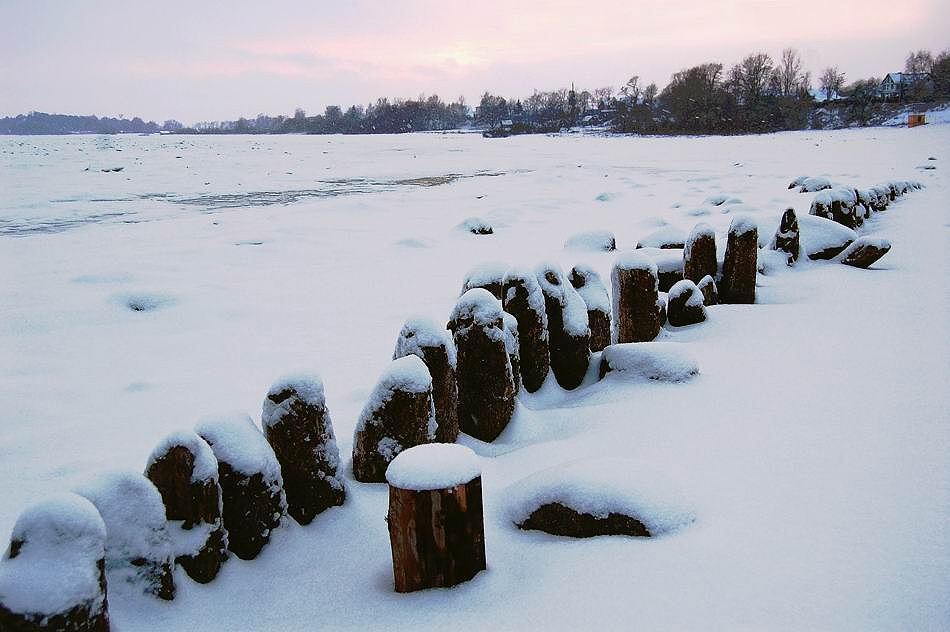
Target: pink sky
[{"x": 206, "y": 60}]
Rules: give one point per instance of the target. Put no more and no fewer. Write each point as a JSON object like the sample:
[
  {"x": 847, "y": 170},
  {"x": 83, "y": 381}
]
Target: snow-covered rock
[
  {"x": 666, "y": 237},
  {"x": 810, "y": 185},
  {"x": 593, "y": 240},
  {"x": 823, "y": 238},
  {"x": 476, "y": 226},
  {"x": 684, "y": 304},
  {"x": 865, "y": 251},
  {"x": 658, "y": 361}
]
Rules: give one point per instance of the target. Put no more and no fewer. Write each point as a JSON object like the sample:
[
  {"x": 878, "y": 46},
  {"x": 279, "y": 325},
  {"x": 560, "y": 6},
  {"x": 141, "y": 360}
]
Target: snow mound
[
  {"x": 666, "y": 237},
  {"x": 476, "y": 226},
  {"x": 59, "y": 542},
  {"x": 205, "y": 466},
  {"x": 659, "y": 361},
  {"x": 597, "y": 240},
  {"x": 716, "y": 200},
  {"x": 433, "y": 466},
  {"x": 600, "y": 487},
  {"x": 421, "y": 332},
  {"x": 143, "y": 302},
  {"x": 810, "y": 185},
  {"x": 235, "y": 440},
  {"x": 823, "y": 238}
]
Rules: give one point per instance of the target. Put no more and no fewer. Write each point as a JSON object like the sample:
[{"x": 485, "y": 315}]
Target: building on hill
[{"x": 897, "y": 85}]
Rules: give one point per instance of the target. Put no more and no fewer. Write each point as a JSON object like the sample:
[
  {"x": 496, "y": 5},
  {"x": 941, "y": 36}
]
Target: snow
[
  {"x": 812, "y": 447},
  {"x": 205, "y": 466},
  {"x": 659, "y": 361},
  {"x": 594, "y": 240},
  {"x": 131, "y": 508},
  {"x": 235, "y": 440},
  {"x": 600, "y": 487},
  {"x": 511, "y": 333},
  {"x": 421, "y": 332},
  {"x": 63, "y": 538},
  {"x": 433, "y": 466},
  {"x": 669, "y": 236}
]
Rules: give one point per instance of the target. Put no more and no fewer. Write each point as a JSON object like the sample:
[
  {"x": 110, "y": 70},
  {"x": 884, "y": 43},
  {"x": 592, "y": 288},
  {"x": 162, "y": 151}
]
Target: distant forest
[{"x": 757, "y": 94}]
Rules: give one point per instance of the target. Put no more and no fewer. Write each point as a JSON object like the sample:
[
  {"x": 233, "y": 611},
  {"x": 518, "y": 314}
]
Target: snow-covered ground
[{"x": 812, "y": 449}]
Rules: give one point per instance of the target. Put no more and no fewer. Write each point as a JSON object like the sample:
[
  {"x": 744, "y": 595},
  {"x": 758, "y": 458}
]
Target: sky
[{"x": 200, "y": 61}]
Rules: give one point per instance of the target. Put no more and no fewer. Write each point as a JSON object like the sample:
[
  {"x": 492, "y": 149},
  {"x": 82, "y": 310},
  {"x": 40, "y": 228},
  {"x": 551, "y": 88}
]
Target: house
[{"x": 897, "y": 84}]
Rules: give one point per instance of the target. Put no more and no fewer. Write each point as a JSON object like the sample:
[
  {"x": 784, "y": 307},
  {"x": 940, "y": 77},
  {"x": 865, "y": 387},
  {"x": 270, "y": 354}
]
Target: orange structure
[{"x": 913, "y": 120}]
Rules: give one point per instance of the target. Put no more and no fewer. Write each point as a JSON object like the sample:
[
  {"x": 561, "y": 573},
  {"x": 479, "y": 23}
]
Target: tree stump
[
  {"x": 512, "y": 347},
  {"x": 699, "y": 254},
  {"x": 636, "y": 298},
  {"x": 488, "y": 276},
  {"x": 400, "y": 414},
  {"x": 786, "y": 237},
  {"x": 865, "y": 251},
  {"x": 740, "y": 265},
  {"x": 422, "y": 337},
  {"x": 138, "y": 544},
  {"x": 590, "y": 287},
  {"x": 568, "y": 327},
  {"x": 485, "y": 378},
  {"x": 436, "y": 524},
  {"x": 707, "y": 286},
  {"x": 251, "y": 483},
  {"x": 524, "y": 300},
  {"x": 53, "y": 575},
  {"x": 684, "y": 305},
  {"x": 185, "y": 471},
  {"x": 298, "y": 427}
]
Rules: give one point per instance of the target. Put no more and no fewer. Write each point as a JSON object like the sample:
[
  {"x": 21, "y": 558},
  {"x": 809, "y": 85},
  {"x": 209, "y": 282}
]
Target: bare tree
[
  {"x": 788, "y": 74},
  {"x": 649, "y": 94},
  {"x": 631, "y": 89},
  {"x": 831, "y": 82},
  {"x": 919, "y": 62}
]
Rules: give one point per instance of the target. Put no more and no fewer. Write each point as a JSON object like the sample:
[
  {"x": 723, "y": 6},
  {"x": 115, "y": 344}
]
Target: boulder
[
  {"x": 739, "y": 266},
  {"x": 591, "y": 288},
  {"x": 421, "y": 337},
  {"x": 786, "y": 237},
  {"x": 524, "y": 300},
  {"x": 864, "y": 252},
  {"x": 185, "y": 471},
  {"x": 486, "y": 380},
  {"x": 252, "y": 486},
  {"x": 400, "y": 414},
  {"x": 699, "y": 254},
  {"x": 635, "y": 298},
  {"x": 298, "y": 428},
  {"x": 139, "y": 547},
  {"x": 53, "y": 575},
  {"x": 568, "y": 327},
  {"x": 684, "y": 304}
]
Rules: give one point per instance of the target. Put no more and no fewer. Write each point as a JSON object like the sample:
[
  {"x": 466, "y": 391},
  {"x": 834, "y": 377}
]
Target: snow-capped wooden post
[
  {"x": 423, "y": 338},
  {"x": 568, "y": 327},
  {"x": 523, "y": 300},
  {"x": 297, "y": 425},
  {"x": 251, "y": 483},
  {"x": 488, "y": 276},
  {"x": 512, "y": 346},
  {"x": 636, "y": 301},
  {"x": 436, "y": 524},
  {"x": 699, "y": 254},
  {"x": 786, "y": 238},
  {"x": 185, "y": 471},
  {"x": 685, "y": 304},
  {"x": 138, "y": 543},
  {"x": 485, "y": 378},
  {"x": 589, "y": 285},
  {"x": 53, "y": 575},
  {"x": 400, "y": 414},
  {"x": 740, "y": 265}
]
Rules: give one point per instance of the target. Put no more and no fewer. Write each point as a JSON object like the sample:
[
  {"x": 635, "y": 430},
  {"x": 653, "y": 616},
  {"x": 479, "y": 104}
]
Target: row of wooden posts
[{"x": 228, "y": 485}]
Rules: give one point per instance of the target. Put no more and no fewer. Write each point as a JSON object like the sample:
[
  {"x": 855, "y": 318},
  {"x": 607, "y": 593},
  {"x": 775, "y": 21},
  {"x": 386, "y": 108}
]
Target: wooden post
[
  {"x": 524, "y": 300},
  {"x": 436, "y": 524},
  {"x": 637, "y": 311},
  {"x": 739, "y": 267},
  {"x": 699, "y": 255},
  {"x": 568, "y": 327}
]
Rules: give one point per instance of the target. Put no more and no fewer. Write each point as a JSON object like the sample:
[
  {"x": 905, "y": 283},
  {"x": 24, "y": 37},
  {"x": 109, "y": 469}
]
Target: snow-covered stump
[
  {"x": 635, "y": 298},
  {"x": 423, "y": 338},
  {"x": 400, "y": 414},
  {"x": 138, "y": 545},
  {"x": 485, "y": 378},
  {"x": 185, "y": 471},
  {"x": 524, "y": 300},
  {"x": 251, "y": 483},
  {"x": 568, "y": 327},
  {"x": 511, "y": 346},
  {"x": 707, "y": 285},
  {"x": 436, "y": 524},
  {"x": 298, "y": 427},
  {"x": 787, "y": 236},
  {"x": 684, "y": 305},
  {"x": 740, "y": 265},
  {"x": 589, "y": 285},
  {"x": 489, "y": 276},
  {"x": 865, "y": 251},
  {"x": 53, "y": 575},
  {"x": 699, "y": 254}
]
